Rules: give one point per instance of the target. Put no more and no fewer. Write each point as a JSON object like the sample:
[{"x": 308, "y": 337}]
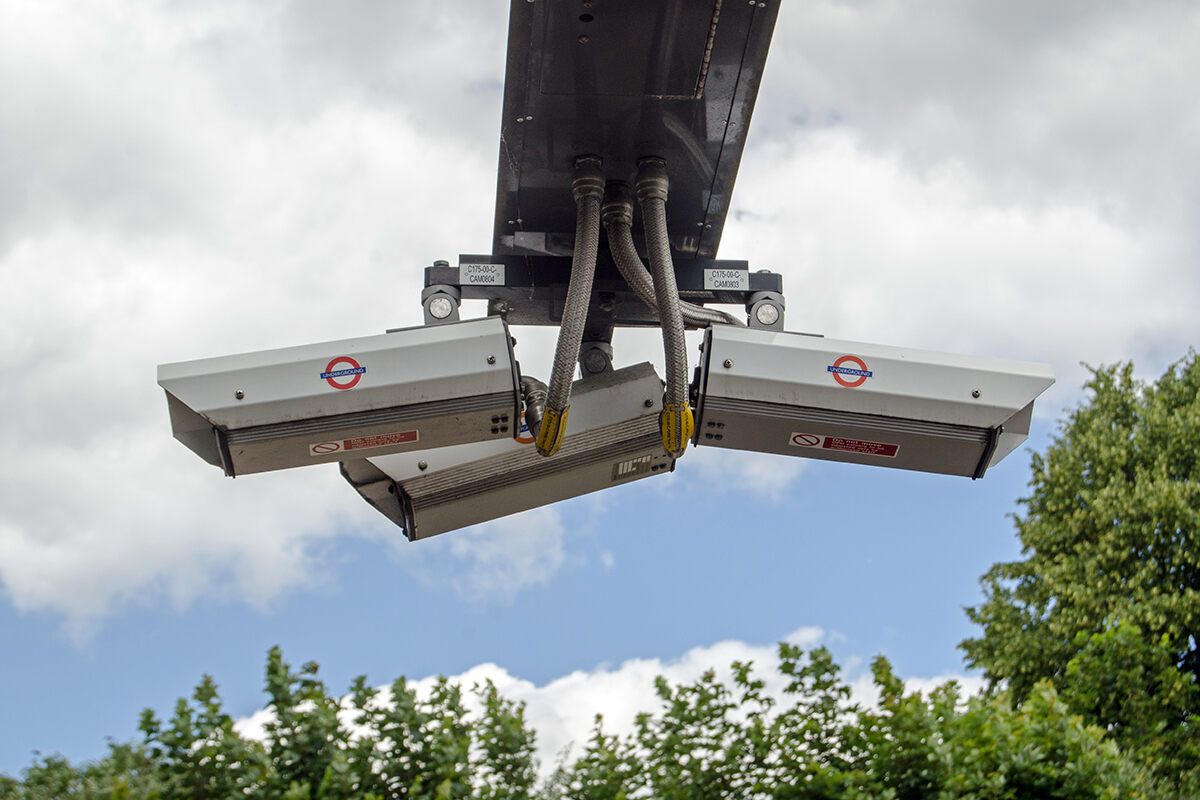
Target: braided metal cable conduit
[
  {"x": 588, "y": 188},
  {"x": 617, "y": 215},
  {"x": 676, "y": 420}
]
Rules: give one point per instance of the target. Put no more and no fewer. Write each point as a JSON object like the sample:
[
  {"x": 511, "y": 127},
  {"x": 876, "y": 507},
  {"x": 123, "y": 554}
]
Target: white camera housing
[
  {"x": 800, "y": 395},
  {"x": 612, "y": 438},
  {"x": 409, "y": 389}
]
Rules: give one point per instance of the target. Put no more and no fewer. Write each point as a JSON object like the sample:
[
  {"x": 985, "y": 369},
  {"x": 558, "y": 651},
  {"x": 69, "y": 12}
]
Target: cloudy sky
[{"x": 179, "y": 180}]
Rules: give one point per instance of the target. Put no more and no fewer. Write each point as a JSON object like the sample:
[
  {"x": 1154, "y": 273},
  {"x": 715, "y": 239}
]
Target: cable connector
[
  {"x": 652, "y": 180},
  {"x": 677, "y": 426},
  {"x": 552, "y": 431},
  {"x": 617, "y": 208},
  {"x": 588, "y": 180}
]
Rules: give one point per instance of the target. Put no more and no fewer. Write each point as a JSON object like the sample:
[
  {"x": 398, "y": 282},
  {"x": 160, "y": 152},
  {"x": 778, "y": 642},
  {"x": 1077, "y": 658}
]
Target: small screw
[
  {"x": 239, "y": 394},
  {"x": 491, "y": 359},
  {"x": 583, "y": 39},
  {"x": 728, "y": 363},
  {"x": 421, "y": 465},
  {"x": 648, "y": 403},
  {"x": 975, "y": 393}
]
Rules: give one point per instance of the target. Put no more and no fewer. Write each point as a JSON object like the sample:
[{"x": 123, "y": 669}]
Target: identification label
[
  {"x": 362, "y": 443},
  {"x": 632, "y": 468},
  {"x": 881, "y": 449},
  {"x": 481, "y": 274},
  {"x": 729, "y": 279}
]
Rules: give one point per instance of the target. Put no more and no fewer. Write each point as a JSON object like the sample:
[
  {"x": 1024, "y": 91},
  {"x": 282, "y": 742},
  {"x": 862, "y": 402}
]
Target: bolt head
[
  {"x": 728, "y": 363},
  {"x": 422, "y": 465},
  {"x": 440, "y": 307},
  {"x": 767, "y": 314},
  {"x": 976, "y": 393},
  {"x": 595, "y": 361},
  {"x": 491, "y": 359},
  {"x": 239, "y": 394}
]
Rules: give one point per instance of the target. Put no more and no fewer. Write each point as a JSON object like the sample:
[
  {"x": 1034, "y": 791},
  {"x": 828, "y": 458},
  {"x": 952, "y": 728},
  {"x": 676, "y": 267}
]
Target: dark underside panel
[{"x": 624, "y": 79}]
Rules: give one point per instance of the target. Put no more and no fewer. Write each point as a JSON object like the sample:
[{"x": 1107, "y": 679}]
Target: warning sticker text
[
  {"x": 858, "y": 446},
  {"x": 362, "y": 443}
]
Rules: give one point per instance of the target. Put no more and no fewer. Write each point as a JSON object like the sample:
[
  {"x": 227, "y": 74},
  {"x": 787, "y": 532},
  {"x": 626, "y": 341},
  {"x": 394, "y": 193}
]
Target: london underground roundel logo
[
  {"x": 343, "y": 372},
  {"x": 849, "y": 371}
]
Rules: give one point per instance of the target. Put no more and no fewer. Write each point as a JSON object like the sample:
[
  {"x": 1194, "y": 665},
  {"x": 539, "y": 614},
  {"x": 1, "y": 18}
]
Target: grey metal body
[
  {"x": 813, "y": 397},
  {"x": 409, "y": 389},
  {"x": 613, "y": 439}
]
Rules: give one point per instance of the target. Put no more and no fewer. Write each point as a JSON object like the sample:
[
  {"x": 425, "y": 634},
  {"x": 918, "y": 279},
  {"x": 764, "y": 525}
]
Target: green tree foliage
[
  {"x": 1106, "y": 602},
  {"x": 126, "y": 773},
  {"x": 371, "y": 745},
  {"x": 707, "y": 739}
]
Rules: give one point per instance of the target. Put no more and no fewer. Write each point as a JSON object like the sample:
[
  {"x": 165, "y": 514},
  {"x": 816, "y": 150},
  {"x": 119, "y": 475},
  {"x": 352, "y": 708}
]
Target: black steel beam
[{"x": 624, "y": 79}]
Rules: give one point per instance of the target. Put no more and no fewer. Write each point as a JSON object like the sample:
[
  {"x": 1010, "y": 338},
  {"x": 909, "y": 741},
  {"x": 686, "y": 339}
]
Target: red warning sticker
[
  {"x": 882, "y": 449},
  {"x": 362, "y": 443}
]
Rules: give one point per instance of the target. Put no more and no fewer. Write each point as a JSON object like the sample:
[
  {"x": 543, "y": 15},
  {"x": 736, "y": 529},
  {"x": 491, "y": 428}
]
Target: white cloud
[
  {"x": 759, "y": 475},
  {"x": 493, "y": 560},
  {"x": 1074, "y": 102},
  {"x": 158, "y": 213}
]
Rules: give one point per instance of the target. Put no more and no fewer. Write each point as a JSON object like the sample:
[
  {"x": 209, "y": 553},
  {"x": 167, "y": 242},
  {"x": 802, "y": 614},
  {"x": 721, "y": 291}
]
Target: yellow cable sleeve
[
  {"x": 677, "y": 425},
  {"x": 550, "y": 434}
]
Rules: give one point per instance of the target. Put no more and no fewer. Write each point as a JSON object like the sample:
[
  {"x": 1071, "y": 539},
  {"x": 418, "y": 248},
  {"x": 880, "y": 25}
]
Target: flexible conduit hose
[
  {"x": 587, "y": 188},
  {"x": 675, "y": 422},
  {"x": 617, "y": 215}
]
